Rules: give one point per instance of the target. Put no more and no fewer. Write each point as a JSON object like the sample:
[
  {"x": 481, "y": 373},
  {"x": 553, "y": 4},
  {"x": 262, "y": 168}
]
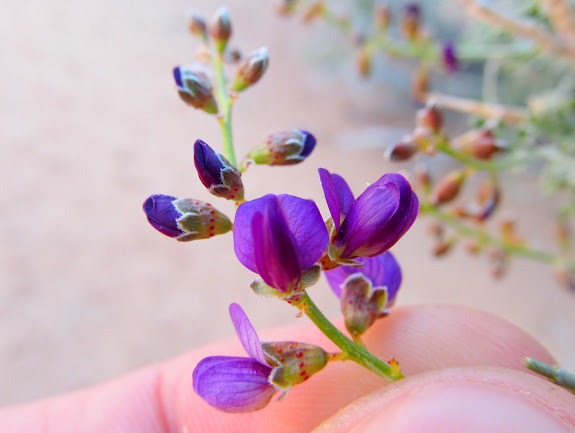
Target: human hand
[{"x": 464, "y": 373}]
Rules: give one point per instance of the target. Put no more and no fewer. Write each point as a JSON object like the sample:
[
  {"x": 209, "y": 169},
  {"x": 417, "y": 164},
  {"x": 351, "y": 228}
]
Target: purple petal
[
  {"x": 162, "y": 214},
  {"x": 308, "y": 144},
  {"x": 337, "y": 194},
  {"x": 247, "y": 334},
  {"x": 382, "y": 270},
  {"x": 302, "y": 218},
  {"x": 208, "y": 164},
  {"x": 369, "y": 214},
  {"x": 306, "y": 223},
  {"x": 392, "y": 276},
  {"x": 178, "y": 76},
  {"x": 276, "y": 256},
  {"x": 233, "y": 384}
]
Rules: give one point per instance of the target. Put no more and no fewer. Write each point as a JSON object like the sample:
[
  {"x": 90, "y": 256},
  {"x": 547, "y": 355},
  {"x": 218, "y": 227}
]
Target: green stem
[
  {"x": 553, "y": 373},
  {"x": 477, "y": 164},
  {"x": 354, "y": 352},
  {"x": 225, "y": 103},
  {"x": 486, "y": 240}
]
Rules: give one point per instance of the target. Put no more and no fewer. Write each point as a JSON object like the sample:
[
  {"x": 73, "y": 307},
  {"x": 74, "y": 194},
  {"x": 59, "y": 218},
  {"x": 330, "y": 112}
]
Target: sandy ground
[{"x": 91, "y": 126}]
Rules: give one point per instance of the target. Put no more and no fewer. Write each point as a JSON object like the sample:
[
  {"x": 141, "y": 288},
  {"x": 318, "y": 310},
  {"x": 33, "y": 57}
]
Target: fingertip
[{"x": 470, "y": 399}]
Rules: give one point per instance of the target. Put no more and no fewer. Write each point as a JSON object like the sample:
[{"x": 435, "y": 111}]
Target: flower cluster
[{"x": 284, "y": 239}]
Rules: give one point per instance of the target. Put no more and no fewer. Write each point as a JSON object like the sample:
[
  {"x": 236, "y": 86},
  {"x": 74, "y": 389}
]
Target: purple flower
[
  {"x": 449, "y": 57},
  {"x": 375, "y": 221},
  {"x": 217, "y": 174},
  {"x": 279, "y": 237},
  {"x": 284, "y": 148},
  {"x": 185, "y": 219},
  {"x": 381, "y": 271},
  {"x": 235, "y": 384}
]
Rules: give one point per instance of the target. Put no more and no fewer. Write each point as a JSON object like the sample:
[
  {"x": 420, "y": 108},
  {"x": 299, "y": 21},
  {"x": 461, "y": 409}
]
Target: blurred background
[{"x": 91, "y": 125}]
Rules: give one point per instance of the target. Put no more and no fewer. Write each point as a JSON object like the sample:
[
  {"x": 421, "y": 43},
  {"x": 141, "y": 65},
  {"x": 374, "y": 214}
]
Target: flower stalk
[
  {"x": 225, "y": 102},
  {"x": 554, "y": 373},
  {"x": 352, "y": 350}
]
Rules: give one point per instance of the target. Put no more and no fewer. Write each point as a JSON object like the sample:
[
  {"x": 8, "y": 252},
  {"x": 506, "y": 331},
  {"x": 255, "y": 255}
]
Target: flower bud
[
  {"x": 233, "y": 55},
  {"x": 286, "y": 7},
  {"x": 185, "y": 219},
  {"x": 410, "y": 21},
  {"x": 401, "y": 151},
  {"x": 361, "y": 304},
  {"x": 442, "y": 248},
  {"x": 382, "y": 17},
  {"x": 251, "y": 70},
  {"x": 480, "y": 143},
  {"x": 420, "y": 84},
  {"x": 197, "y": 26},
  {"x": 488, "y": 197},
  {"x": 313, "y": 11},
  {"x": 297, "y": 362},
  {"x": 284, "y": 148},
  {"x": 217, "y": 174},
  {"x": 562, "y": 233},
  {"x": 221, "y": 29},
  {"x": 363, "y": 62},
  {"x": 449, "y": 57},
  {"x": 430, "y": 117},
  {"x": 448, "y": 187},
  {"x": 195, "y": 89}
]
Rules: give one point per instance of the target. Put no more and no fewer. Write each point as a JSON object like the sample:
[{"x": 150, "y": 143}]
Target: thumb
[{"x": 469, "y": 399}]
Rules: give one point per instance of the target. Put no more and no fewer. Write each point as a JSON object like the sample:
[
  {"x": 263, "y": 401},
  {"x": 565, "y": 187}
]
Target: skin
[{"x": 463, "y": 368}]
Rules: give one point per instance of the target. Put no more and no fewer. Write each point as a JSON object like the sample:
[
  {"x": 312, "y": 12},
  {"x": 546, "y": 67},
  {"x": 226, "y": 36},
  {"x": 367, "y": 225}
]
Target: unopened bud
[
  {"x": 562, "y": 233},
  {"x": 473, "y": 247},
  {"x": 185, "y": 219},
  {"x": 313, "y": 11},
  {"x": 286, "y": 7},
  {"x": 251, "y": 70},
  {"x": 420, "y": 84},
  {"x": 423, "y": 176},
  {"x": 363, "y": 62},
  {"x": 430, "y": 117},
  {"x": 284, "y": 148},
  {"x": 442, "y": 248},
  {"x": 410, "y": 21},
  {"x": 499, "y": 263},
  {"x": 488, "y": 197},
  {"x": 565, "y": 278},
  {"x": 197, "y": 26},
  {"x": 361, "y": 304},
  {"x": 195, "y": 89},
  {"x": 217, "y": 174},
  {"x": 480, "y": 143},
  {"x": 435, "y": 229},
  {"x": 449, "y": 57},
  {"x": 221, "y": 29},
  {"x": 296, "y": 362},
  {"x": 382, "y": 17},
  {"x": 233, "y": 55},
  {"x": 448, "y": 188},
  {"x": 401, "y": 151}
]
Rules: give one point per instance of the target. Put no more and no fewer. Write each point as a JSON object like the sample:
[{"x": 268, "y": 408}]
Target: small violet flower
[
  {"x": 371, "y": 224},
  {"x": 280, "y": 237},
  {"x": 236, "y": 384},
  {"x": 185, "y": 219},
  {"x": 366, "y": 292},
  {"x": 217, "y": 174},
  {"x": 449, "y": 57}
]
